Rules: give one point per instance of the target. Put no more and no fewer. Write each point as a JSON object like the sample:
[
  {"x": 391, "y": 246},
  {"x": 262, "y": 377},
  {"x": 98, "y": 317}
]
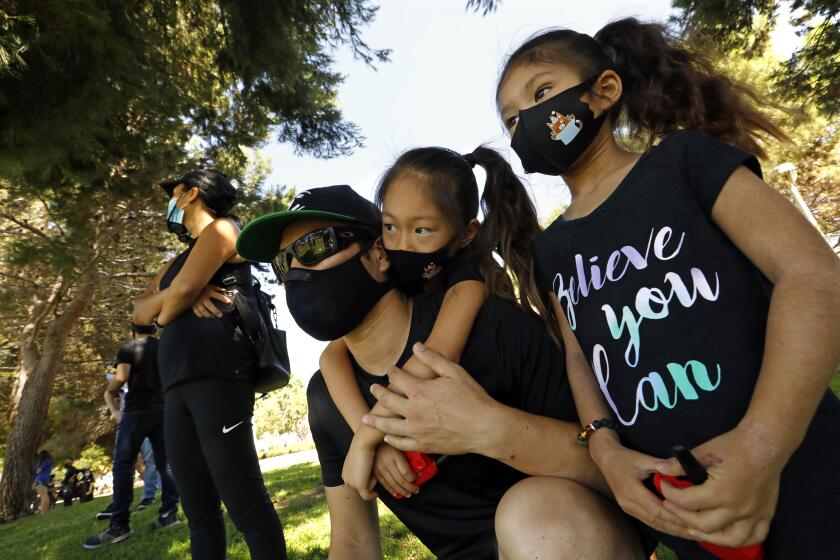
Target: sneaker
[
  {"x": 111, "y": 535},
  {"x": 168, "y": 519},
  {"x": 106, "y": 513},
  {"x": 147, "y": 503}
]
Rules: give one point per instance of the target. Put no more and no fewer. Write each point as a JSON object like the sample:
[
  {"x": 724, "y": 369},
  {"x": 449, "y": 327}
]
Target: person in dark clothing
[
  {"x": 142, "y": 417},
  {"x": 206, "y": 367},
  {"x": 68, "y": 483},
  {"x": 522, "y": 419}
]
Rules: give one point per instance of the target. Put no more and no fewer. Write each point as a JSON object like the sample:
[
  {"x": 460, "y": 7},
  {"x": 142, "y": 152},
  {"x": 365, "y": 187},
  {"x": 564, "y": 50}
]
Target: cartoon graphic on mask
[
  {"x": 431, "y": 270},
  {"x": 564, "y": 128}
]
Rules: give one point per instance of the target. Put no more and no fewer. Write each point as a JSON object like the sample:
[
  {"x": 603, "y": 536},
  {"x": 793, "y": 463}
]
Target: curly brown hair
[{"x": 666, "y": 85}]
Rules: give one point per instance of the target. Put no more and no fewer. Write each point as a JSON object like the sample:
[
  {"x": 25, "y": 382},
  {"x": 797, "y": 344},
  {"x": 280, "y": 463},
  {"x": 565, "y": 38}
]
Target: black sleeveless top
[{"x": 192, "y": 347}]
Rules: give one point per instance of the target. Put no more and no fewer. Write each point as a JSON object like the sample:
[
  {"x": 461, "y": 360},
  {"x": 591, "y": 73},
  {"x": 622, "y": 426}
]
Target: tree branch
[
  {"x": 25, "y": 225},
  {"x": 20, "y": 278}
]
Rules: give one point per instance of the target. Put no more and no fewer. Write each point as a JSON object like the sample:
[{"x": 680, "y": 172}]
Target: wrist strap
[{"x": 583, "y": 437}]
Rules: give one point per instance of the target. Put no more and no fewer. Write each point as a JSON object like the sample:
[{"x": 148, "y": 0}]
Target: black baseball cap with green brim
[{"x": 259, "y": 241}]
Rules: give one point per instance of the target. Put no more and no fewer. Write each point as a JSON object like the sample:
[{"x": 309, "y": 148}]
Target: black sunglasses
[{"x": 316, "y": 246}]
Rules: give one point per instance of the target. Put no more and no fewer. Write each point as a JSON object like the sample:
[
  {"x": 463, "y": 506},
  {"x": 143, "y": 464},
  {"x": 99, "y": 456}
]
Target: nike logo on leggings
[{"x": 225, "y": 429}]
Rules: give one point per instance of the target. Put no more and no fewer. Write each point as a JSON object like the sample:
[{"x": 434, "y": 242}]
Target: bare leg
[
  {"x": 45, "y": 498},
  {"x": 555, "y": 518}
]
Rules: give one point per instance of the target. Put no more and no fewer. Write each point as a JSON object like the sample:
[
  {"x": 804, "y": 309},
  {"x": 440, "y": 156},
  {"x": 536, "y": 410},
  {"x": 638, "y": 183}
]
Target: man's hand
[
  {"x": 625, "y": 470},
  {"x": 735, "y": 505},
  {"x": 204, "y": 306},
  {"x": 447, "y": 415}
]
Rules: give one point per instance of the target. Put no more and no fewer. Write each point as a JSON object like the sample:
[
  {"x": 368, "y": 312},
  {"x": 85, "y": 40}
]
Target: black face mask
[
  {"x": 552, "y": 135},
  {"x": 412, "y": 270},
  {"x": 328, "y": 304}
]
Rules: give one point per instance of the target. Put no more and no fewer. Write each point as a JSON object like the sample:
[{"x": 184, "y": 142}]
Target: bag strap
[{"x": 249, "y": 320}]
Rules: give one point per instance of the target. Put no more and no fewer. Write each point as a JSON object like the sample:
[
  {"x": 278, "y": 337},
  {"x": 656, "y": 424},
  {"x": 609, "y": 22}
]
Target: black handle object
[{"x": 694, "y": 471}]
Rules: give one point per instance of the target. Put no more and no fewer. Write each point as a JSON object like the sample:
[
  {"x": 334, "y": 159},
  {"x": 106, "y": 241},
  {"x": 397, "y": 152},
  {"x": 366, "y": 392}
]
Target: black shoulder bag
[{"x": 272, "y": 368}]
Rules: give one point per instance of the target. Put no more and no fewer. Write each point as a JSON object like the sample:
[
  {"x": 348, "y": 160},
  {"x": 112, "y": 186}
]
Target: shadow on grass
[{"x": 297, "y": 493}]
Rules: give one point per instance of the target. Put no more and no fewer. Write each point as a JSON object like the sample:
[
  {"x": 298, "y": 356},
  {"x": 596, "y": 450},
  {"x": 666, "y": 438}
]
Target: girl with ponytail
[
  {"x": 697, "y": 306},
  {"x": 429, "y": 201}
]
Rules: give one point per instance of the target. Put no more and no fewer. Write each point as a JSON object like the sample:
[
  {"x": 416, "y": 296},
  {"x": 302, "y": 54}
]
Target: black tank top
[{"x": 192, "y": 347}]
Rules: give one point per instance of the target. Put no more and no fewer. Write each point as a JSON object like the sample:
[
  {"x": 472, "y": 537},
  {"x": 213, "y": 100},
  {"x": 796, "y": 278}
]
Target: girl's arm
[
  {"x": 801, "y": 351},
  {"x": 803, "y": 325},
  {"x": 453, "y": 325},
  {"x": 454, "y": 322},
  {"x": 215, "y": 246},
  {"x": 341, "y": 382},
  {"x": 624, "y": 469}
]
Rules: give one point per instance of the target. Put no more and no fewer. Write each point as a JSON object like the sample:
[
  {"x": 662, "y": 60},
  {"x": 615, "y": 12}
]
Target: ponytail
[
  {"x": 509, "y": 228},
  {"x": 666, "y": 86},
  {"x": 510, "y": 221}
]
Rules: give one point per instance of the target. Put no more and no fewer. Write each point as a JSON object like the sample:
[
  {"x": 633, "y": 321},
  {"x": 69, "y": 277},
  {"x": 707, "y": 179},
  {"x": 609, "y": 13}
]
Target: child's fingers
[
  {"x": 670, "y": 467},
  {"x": 368, "y": 494},
  {"x": 693, "y": 498},
  {"x": 708, "y": 521},
  {"x": 404, "y": 485},
  {"x": 404, "y": 467},
  {"x": 386, "y": 479}
]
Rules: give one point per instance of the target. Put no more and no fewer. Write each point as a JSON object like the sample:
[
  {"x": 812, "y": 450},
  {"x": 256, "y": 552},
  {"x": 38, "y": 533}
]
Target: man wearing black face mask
[{"x": 514, "y": 414}]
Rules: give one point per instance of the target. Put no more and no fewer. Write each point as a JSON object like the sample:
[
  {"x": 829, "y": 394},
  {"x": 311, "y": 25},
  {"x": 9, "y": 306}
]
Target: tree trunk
[
  {"x": 38, "y": 375},
  {"x": 29, "y": 353}
]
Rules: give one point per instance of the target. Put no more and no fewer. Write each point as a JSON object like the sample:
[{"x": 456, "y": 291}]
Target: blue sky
[{"x": 438, "y": 89}]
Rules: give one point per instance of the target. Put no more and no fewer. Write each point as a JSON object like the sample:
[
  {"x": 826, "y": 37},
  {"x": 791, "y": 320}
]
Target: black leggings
[{"x": 207, "y": 424}]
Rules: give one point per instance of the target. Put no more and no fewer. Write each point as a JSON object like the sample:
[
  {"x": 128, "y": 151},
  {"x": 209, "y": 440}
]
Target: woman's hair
[
  {"x": 44, "y": 455},
  {"x": 216, "y": 191},
  {"x": 666, "y": 86},
  {"x": 510, "y": 219}
]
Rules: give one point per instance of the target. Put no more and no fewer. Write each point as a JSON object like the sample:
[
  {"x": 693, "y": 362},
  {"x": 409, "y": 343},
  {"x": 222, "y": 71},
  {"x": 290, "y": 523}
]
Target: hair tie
[{"x": 469, "y": 159}]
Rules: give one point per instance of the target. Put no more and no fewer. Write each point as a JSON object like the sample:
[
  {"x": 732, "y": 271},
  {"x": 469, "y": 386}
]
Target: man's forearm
[{"x": 539, "y": 446}]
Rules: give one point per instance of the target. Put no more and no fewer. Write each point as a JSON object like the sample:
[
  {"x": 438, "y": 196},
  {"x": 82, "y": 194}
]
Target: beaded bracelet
[{"x": 583, "y": 437}]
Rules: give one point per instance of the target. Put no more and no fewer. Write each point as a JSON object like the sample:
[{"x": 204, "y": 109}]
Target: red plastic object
[
  {"x": 752, "y": 552},
  {"x": 423, "y": 465}
]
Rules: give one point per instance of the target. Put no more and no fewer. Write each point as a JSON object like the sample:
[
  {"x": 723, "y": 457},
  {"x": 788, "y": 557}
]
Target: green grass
[{"x": 297, "y": 494}]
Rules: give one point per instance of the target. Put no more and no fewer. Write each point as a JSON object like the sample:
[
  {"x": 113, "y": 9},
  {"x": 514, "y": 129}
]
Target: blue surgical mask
[{"x": 175, "y": 218}]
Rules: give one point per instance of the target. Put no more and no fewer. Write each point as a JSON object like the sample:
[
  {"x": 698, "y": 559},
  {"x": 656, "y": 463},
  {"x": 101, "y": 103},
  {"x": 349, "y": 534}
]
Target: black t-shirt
[
  {"x": 144, "y": 388},
  {"x": 193, "y": 347},
  {"x": 670, "y": 314},
  {"x": 512, "y": 356}
]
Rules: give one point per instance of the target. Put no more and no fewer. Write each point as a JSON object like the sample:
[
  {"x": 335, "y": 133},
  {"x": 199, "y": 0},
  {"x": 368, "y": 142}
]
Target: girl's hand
[
  {"x": 358, "y": 468},
  {"x": 393, "y": 472},
  {"x": 625, "y": 470},
  {"x": 204, "y": 306},
  {"x": 735, "y": 505}
]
